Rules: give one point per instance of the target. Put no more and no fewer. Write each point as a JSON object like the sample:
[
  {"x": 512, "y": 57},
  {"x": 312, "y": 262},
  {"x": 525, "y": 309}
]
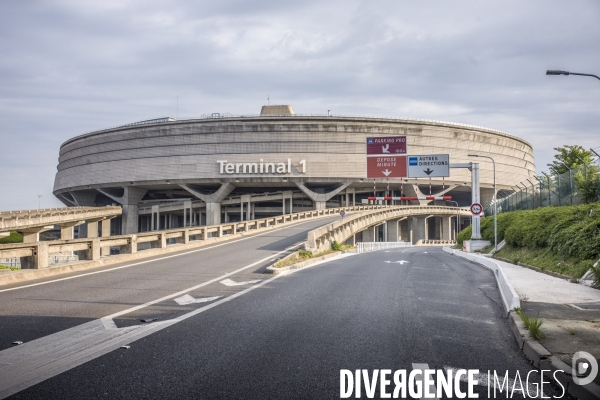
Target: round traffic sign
[
  {"x": 342, "y": 213},
  {"x": 476, "y": 208}
]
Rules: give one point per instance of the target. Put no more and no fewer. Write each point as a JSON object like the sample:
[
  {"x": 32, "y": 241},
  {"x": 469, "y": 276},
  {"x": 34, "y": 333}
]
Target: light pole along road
[
  {"x": 219, "y": 328},
  {"x": 495, "y": 201},
  {"x": 557, "y": 72}
]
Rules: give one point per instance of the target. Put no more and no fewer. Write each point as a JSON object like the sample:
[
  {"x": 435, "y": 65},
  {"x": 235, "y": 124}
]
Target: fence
[
  {"x": 548, "y": 189},
  {"x": 363, "y": 247}
]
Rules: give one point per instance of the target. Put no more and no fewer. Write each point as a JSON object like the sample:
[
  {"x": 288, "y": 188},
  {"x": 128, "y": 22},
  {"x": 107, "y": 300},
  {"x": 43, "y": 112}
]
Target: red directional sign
[
  {"x": 386, "y": 167},
  {"x": 386, "y": 145}
]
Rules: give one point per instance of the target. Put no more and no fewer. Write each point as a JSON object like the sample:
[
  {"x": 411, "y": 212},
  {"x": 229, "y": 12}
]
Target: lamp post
[
  {"x": 39, "y": 201},
  {"x": 556, "y": 72},
  {"x": 457, "y": 217},
  {"x": 495, "y": 201}
]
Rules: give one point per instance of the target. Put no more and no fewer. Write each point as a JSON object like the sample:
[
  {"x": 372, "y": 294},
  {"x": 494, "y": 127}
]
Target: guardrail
[
  {"x": 14, "y": 220},
  {"x": 429, "y": 242},
  {"x": 36, "y": 255},
  {"x": 320, "y": 239},
  {"x": 363, "y": 247}
]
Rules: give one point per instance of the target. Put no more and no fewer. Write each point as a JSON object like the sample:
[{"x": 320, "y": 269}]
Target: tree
[
  {"x": 588, "y": 184},
  {"x": 568, "y": 155}
]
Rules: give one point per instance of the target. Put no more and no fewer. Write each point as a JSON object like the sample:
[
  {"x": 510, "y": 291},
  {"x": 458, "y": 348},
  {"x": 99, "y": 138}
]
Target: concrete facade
[{"x": 252, "y": 167}]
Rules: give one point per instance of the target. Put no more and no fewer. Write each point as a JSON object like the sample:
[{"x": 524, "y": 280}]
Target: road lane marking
[
  {"x": 401, "y": 262},
  {"x": 188, "y": 299},
  {"x": 229, "y": 282},
  {"x": 161, "y": 258},
  {"x": 31, "y": 363}
]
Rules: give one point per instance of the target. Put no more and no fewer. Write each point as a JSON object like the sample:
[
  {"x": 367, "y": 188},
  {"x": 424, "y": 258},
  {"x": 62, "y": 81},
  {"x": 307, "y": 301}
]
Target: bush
[
  {"x": 335, "y": 246},
  {"x": 305, "y": 254},
  {"x": 14, "y": 237}
]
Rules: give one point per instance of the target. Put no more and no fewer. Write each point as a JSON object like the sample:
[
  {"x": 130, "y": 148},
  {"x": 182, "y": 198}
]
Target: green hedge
[
  {"x": 14, "y": 237},
  {"x": 569, "y": 231}
]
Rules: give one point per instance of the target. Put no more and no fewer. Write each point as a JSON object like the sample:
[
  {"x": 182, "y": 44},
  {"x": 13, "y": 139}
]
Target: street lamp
[
  {"x": 495, "y": 201},
  {"x": 555, "y": 72},
  {"x": 39, "y": 201}
]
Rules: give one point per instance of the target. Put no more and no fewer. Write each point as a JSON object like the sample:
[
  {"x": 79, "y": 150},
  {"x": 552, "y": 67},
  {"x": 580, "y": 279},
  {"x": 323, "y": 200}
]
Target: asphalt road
[{"x": 282, "y": 337}]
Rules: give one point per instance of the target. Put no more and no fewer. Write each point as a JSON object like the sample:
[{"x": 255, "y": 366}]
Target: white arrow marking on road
[
  {"x": 385, "y": 149},
  {"x": 386, "y": 172},
  {"x": 187, "y": 299},
  {"x": 397, "y": 262},
  {"x": 229, "y": 282}
]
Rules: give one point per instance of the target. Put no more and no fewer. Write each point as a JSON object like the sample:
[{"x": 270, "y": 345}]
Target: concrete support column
[
  {"x": 226, "y": 214},
  {"x": 213, "y": 213},
  {"x": 447, "y": 228},
  {"x": 392, "y": 230},
  {"x": 320, "y": 205},
  {"x": 419, "y": 229},
  {"x": 105, "y": 226},
  {"x": 368, "y": 235},
  {"x": 32, "y": 235},
  {"x": 66, "y": 230}
]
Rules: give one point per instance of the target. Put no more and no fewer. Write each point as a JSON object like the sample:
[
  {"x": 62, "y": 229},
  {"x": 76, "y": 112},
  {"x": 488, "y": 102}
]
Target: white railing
[{"x": 363, "y": 247}]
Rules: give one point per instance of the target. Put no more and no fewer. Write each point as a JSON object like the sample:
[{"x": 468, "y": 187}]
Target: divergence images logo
[
  {"x": 413, "y": 161},
  {"x": 585, "y": 368}
]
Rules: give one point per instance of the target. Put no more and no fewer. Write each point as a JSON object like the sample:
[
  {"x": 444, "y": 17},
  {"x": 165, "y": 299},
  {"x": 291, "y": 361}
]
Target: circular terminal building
[{"x": 168, "y": 173}]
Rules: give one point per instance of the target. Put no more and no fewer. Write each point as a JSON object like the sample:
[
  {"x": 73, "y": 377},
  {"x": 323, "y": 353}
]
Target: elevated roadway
[{"x": 32, "y": 222}]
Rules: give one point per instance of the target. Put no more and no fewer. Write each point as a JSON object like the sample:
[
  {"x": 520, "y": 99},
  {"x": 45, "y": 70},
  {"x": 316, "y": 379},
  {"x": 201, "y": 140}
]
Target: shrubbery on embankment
[
  {"x": 14, "y": 237},
  {"x": 561, "y": 239}
]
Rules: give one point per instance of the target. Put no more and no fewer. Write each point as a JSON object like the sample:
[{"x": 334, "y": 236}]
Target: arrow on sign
[
  {"x": 187, "y": 299},
  {"x": 386, "y": 172},
  {"x": 397, "y": 262},
  {"x": 428, "y": 171},
  {"x": 386, "y": 148}
]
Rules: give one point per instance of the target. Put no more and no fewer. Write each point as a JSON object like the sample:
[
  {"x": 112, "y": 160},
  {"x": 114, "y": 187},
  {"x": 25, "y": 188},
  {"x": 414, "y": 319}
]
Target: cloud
[{"x": 69, "y": 67}]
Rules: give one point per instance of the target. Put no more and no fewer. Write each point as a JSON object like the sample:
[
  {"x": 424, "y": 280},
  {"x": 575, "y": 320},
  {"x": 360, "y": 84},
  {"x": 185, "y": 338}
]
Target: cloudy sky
[{"x": 72, "y": 66}]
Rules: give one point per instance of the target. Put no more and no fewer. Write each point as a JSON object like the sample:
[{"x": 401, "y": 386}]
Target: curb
[
  {"x": 276, "y": 271},
  {"x": 550, "y": 365},
  {"x": 540, "y": 357},
  {"x": 509, "y": 296}
]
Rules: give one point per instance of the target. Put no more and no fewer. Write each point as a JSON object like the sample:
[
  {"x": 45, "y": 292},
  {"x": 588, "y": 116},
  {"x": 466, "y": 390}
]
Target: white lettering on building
[{"x": 260, "y": 167}]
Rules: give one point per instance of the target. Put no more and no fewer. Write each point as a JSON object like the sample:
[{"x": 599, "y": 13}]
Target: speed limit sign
[{"x": 476, "y": 208}]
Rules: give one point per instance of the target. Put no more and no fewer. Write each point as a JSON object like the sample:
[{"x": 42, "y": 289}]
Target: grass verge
[
  {"x": 546, "y": 259},
  {"x": 532, "y": 324}
]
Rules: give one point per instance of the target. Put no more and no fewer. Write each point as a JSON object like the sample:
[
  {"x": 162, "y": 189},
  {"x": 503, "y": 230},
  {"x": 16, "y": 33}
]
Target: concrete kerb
[
  {"x": 31, "y": 274},
  {"x": 276, "y": 271},
  {"x": 509, "y": 296},
  {"x": 540, "y": 357}
]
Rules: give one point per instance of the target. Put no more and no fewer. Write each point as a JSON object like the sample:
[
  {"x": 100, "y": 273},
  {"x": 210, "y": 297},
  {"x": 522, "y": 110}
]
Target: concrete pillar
[
  {"x": 32, "y": 235},
  {"x": 419, "y": 229},
  {"x": 404, "y": 229},
  {"x": 320, "y": 205},
  {"x": 446, "y": 228},
  {"x": 368, "y": 235},
  {"x": 226, "y": 214},
  {"x": 66, "y": 230},
  {"x": 392, "y": 230},
  {"x": 213, "y": 213}
]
